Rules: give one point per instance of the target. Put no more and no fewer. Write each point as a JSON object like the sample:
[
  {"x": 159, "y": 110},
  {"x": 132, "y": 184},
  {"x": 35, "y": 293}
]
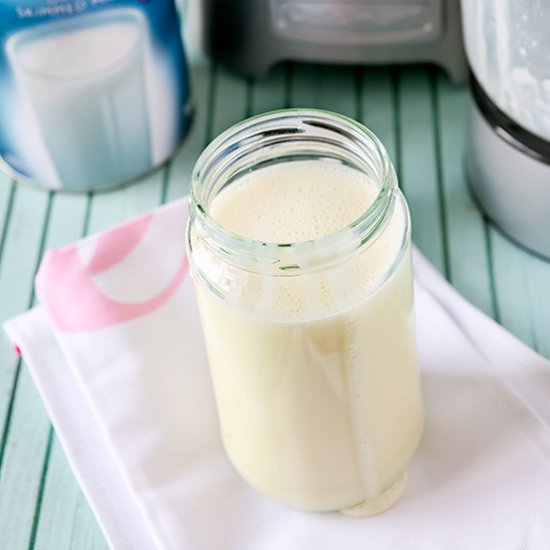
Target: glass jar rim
[{"x": 238, "y": 135}]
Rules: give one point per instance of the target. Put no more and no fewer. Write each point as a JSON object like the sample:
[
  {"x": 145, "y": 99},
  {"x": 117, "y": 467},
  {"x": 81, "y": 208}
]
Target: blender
[{"x": 508, "y": 152}]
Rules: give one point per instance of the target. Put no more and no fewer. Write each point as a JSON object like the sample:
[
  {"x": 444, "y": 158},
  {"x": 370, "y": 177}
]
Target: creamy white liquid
[{"x": 315, "y": 376}]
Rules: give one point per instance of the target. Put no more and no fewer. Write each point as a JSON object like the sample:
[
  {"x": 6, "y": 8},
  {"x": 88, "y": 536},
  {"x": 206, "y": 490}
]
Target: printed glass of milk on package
[
  {"x": 93, "y": 93},
  {"x": 300, "y": 249}
]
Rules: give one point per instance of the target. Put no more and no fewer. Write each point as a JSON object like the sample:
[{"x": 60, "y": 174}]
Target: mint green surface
[{"x": 420, "y": 117}]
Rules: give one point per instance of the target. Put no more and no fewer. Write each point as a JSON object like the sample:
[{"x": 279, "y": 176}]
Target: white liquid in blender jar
[{"x": 319, "y": 399}]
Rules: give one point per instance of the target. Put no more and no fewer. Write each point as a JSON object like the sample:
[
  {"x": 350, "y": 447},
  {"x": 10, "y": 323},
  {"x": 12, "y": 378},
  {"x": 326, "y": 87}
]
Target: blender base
[{"x": 511, "y": 186}]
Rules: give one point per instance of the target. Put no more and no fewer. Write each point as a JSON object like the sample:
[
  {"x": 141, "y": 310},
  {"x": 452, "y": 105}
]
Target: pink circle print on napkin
[{"x": 118, "y": 275}]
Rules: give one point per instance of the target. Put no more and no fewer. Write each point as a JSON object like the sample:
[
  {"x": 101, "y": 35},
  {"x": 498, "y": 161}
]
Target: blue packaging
[{"x": 93, "y": 93}]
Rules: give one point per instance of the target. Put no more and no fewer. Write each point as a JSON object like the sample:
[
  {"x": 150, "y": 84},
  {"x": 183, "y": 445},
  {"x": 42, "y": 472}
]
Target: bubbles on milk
[
  {"x": 300, "y": 201},
  {"x": 294, "y": 202}
]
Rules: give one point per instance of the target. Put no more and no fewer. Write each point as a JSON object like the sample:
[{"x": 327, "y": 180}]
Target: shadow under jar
[{"x": 307, "y": 309}]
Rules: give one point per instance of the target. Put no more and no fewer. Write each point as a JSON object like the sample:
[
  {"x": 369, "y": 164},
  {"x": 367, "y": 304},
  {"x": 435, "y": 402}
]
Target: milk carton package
[{"x": 93, "y": 93}]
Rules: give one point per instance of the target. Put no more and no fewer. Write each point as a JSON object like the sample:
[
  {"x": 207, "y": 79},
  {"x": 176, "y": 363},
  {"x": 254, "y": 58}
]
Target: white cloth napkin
[{"x": 116, "y": 352}]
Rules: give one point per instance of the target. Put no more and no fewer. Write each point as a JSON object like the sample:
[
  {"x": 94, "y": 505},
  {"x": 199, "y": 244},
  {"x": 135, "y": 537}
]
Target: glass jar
[{"x": 311, "y": 344}]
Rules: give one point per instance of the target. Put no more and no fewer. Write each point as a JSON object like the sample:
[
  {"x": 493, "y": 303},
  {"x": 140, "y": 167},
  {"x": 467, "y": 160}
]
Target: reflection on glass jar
[{"x": 299, "y": 242}]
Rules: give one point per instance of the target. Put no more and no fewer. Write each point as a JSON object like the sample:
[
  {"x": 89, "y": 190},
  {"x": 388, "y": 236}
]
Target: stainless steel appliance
[
  {"x": 508, "y": 147},
  {"x": 249, "y": 36}
]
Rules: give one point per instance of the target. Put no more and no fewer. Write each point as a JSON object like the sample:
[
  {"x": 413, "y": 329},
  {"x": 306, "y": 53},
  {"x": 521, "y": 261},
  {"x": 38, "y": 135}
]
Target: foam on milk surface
[
  {"x": 301, "y": 201},
  {"x": 315, "y": 376},
  {"x": 294, "y": 202}
]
